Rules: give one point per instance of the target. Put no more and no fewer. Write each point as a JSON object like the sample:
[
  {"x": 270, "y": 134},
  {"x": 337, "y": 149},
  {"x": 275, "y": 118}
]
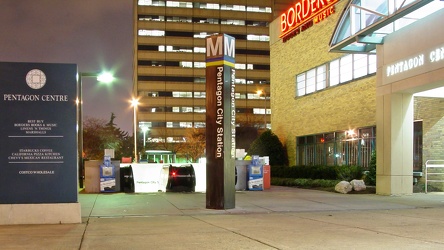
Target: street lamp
[
  {"x": 104, "y": 77},
  {"x": 260, "y": 92},
  {"x": 144, "y": 129},
  {"x": 134, "y": 103}
]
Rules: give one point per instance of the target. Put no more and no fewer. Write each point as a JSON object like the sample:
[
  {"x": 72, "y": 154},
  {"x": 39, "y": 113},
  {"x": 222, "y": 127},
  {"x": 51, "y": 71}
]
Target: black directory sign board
[{"x": 38, "y": 137}]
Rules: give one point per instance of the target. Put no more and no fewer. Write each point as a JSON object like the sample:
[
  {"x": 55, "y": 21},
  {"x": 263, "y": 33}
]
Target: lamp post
[
  {"x": 134, "y": 103},
  {"x": 260, "y": 92},
  {"x": 104, "y": 77},
  {"x": 144, "y": 129}
]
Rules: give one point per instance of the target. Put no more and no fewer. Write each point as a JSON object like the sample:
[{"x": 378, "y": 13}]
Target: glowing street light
[
  {"x": 260, "y": 92},
  {"x": 103, "y": 77},
  {"x": 134, "y": 104},
  {"x": 144, "y": 130}
]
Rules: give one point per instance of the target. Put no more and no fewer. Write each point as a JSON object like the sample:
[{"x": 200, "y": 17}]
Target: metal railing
[{"x": 433, "y": 165}]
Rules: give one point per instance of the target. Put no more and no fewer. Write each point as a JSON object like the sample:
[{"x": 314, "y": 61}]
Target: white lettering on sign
[
  {"x": 405, "y": 65},
  {"x": 214, "y": 49},
  {"x": 437, "y": 55},
  {"x": 219, "y": 112},
  {"x": 233, "y": 114},
  {"x": 214, "y": 46}
]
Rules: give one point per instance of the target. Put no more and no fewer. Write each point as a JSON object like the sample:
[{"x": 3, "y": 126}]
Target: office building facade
[{"x": 170, "y": 63}]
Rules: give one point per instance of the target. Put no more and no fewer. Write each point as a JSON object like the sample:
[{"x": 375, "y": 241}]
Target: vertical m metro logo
[{"x": 215, "y": 45}]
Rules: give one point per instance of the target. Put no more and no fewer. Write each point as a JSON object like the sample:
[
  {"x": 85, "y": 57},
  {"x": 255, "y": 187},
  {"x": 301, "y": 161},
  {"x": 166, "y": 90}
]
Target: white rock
[
  {"x": 343, "y": 187},
  {"x": 358, "y": 185}
]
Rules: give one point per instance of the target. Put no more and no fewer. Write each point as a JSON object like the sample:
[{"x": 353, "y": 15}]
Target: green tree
[
  {"x": 99, "y": 135},
  {"x": 268, "y": 144},
  {"x": 194, "y": 146},
  {"x": 115, "y": 139}
]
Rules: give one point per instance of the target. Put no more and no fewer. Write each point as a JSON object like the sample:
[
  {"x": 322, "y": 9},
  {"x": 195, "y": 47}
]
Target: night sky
[{"x": 94, "y": 34}]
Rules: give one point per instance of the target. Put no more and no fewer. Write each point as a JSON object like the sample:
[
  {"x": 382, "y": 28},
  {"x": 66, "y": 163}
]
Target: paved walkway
[{"x": 279, "y": 218}]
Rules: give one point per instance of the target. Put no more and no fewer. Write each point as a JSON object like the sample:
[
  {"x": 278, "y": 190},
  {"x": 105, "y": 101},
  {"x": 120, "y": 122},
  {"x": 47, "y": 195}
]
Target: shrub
[
  {"x": 347, "y": 173},
  {"x": 268, "y": 144},
  {"x": 370, "y": 178},
  {"x": 303, "y": 183}
]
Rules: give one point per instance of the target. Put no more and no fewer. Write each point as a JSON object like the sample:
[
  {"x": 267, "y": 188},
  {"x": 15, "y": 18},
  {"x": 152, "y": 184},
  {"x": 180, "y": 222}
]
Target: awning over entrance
[{"x": 365, "y": 23}]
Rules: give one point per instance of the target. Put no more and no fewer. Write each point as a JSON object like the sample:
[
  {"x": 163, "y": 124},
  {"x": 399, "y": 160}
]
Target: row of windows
[
  {"x": 181, "y": 19},
  {"x": 212, "y": 6},
  {"x": 200, "y": 65},
  {"x": 188, "y": 49},
  {"x": 352, "y": 147},
  {"x": 261, "y": 38},
  {"x": 344, "y": 69},
  {"x": 150, "y": 125},
  {"x": 189, "y": 94},
  {"x": 197, "y": 79},
  {"x": 255, "y": 111}
]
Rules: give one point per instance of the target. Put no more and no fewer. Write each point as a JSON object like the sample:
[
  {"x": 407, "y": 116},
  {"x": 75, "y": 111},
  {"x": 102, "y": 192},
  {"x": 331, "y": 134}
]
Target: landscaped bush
[
  {"x": 370, "y": 178},
  {"x": 343, "y": 173},
  {"x": 304, "y": 183}
]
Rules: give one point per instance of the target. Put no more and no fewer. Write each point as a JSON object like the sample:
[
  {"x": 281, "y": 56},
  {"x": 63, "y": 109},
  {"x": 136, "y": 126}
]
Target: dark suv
[{"x": 181, "y": 179}]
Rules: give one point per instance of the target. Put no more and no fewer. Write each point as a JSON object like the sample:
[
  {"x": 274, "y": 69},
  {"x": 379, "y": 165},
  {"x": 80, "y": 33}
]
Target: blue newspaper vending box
[
  {"x": 107, "y": 175},
  {"x": 255, "y": 177}
]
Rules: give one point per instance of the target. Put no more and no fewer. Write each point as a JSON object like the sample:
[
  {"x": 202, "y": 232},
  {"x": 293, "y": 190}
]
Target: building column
[{"x": 394, "y": 144}]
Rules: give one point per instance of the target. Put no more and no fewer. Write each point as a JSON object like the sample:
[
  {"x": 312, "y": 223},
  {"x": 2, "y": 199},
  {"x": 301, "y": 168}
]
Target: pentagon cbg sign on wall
[
  {"x": 38, "y": 137},
  {"x": 220, "y": 122}
]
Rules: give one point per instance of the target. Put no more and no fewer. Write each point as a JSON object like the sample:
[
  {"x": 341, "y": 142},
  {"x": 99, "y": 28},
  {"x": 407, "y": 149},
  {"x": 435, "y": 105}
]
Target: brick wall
[
  {"x": 343, "y": 107},
  {"x": 431, "y": 112}
]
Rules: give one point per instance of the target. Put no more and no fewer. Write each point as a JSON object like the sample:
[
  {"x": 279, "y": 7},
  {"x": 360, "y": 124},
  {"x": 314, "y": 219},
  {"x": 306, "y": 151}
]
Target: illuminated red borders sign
[{"x": 303, "y": 15}]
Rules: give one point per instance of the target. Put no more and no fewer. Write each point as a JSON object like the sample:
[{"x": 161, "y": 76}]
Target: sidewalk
[{"x": 279, "y": 218}]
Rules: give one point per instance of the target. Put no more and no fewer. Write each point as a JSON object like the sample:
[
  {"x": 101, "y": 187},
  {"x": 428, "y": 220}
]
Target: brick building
[{"x": 339, "y": 90}]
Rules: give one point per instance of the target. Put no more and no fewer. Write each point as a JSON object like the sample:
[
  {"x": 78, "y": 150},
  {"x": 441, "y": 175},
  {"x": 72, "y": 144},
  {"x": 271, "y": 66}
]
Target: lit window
[
  {"x": 340, "y": 70},
  {"x": 200, "y": 35},
  {"x": 199, "y": 50},
  {"x": 334, "y": 72},
  {"x": 151, "y": 33},
  {"x": 259, "y": 111},
  {"x": 187, "y": 109},
  {"x": 185, "y": 124},
  {"x": 151, "y": 3},
  {"x": 262, "y": 38},
  {"x": 199, "y": 65},
  {"x": 199, "y": 125},
  {"x": 371, "y": 64},
  {"x": 199, "y": 94},
  {"x": 359, "y": 65},
  {"x": 300, "y": 83},
  {"x": 239, "y": 66},
  {"x": 321, "y": 77},
  {"x": 346, "y": 68},
  {"x": 186, "y": 64},
  {"x": 240, "y": 81},
  {"x": 232, "y": 7},
  {"x": 179, "y": 4},
  {"x": 182, "y": 94},
  {"x": 258, "y": 9},
  {"x": 199, "y": 110},
  {"x": 310, "y": 81}
]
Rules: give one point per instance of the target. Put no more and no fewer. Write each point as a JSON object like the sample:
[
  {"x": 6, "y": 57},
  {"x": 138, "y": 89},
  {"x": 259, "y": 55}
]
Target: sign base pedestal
[{"x": 57, "y": 213}]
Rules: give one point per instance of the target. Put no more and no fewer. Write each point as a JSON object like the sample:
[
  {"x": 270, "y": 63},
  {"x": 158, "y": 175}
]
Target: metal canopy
[{"x": 364, "y": 23}]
